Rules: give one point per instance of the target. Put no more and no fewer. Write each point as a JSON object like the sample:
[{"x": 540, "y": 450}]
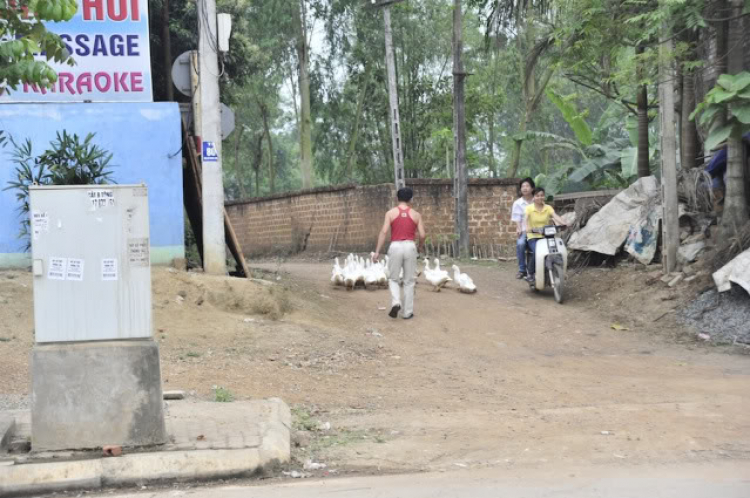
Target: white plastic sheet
[
  {"x": 620, "y": 219},
  {"x": 737, "y": 271}
]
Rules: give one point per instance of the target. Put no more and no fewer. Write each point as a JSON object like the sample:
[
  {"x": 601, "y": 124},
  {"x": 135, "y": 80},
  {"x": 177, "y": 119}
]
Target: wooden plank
[{"x": 191, "y": 190}]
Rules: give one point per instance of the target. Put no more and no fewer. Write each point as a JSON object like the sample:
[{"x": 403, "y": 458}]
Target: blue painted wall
[{"x": 145, "y": 140}]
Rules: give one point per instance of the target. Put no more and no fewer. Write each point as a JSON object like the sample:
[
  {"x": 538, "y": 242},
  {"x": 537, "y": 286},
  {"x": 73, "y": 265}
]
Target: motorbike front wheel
[{"x": 558, "y": 283}]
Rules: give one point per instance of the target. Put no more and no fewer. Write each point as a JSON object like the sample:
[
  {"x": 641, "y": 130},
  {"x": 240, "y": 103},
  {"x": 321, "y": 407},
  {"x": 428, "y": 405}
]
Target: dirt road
[
  {"x": 506, "y": 377},
  {"x": 503, "y": 378}
]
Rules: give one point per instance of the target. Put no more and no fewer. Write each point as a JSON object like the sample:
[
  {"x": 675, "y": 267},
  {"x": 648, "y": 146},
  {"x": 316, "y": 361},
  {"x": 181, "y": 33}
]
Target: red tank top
[{"x": 403, "y": 227}]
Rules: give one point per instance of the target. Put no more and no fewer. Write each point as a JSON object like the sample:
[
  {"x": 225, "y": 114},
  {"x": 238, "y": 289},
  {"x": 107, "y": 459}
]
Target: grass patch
[
  {"x": 223, "y": 395},
  {"x": 302, "y": 420},
  {"x": 5, "y": 339},
  {"x": 192, "y": 354},
  {"x": 343, "y": 437}
]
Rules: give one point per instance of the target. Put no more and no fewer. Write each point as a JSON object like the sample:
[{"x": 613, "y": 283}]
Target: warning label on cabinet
[
  {"x": 101, "y": 199},
  {"x": 138, "y": 252}
]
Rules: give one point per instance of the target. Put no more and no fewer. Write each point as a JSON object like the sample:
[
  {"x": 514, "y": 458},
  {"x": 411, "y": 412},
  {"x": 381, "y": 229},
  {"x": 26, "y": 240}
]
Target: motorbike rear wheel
[{"x": 558, "y": 283}]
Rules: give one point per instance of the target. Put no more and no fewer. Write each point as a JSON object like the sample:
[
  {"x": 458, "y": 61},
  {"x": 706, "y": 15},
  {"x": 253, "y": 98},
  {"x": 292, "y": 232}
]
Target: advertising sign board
[{"x": 110, "y": 44}]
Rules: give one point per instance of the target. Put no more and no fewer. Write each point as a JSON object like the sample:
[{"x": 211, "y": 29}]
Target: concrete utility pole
[
  {"x": 461, "y": 181},
  {"x": 670, "y": 220},
  {"x": 214, "y": 251},
  {"x": 390, "y": 64}
]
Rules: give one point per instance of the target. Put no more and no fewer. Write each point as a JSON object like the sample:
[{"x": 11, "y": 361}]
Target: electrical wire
[{"x": 203, "y": 23}]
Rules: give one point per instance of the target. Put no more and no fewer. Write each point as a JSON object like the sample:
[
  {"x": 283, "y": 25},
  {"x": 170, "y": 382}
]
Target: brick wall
[{"x": 348, "y": 218}]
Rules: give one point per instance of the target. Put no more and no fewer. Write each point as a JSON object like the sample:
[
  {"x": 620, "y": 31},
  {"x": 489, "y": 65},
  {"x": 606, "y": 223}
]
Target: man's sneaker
[
  {"x": 409, "y": 317},
  {"x": 531, "y": 278},
  {"x": 394, "y": 310},
  {"x": 520, "y": 275}
]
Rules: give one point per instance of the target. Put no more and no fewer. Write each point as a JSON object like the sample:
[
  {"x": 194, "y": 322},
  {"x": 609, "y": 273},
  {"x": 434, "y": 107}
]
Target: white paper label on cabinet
[
  {"x": 57, "y": 268},
  {"x": 109, "y": 269},
  {"x": 74, "y": 270},
  {"x": 39, "y": 223}
]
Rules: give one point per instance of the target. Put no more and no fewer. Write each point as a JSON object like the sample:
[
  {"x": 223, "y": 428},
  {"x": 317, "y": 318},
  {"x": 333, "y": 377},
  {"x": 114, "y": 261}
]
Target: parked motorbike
[{"x": 551, "y": 258}]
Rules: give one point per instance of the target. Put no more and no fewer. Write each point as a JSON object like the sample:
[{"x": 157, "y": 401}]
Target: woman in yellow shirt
[{"x": 538, "y": 215}]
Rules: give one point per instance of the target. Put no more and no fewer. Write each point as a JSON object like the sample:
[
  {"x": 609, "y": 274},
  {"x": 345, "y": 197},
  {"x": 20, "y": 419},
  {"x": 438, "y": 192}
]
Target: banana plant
[
  {"x": 612, "y": 164},
  {"x": 731, "y": 92}
]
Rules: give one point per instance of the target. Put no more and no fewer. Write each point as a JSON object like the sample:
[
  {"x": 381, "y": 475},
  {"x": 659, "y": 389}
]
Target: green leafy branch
[
  {"x": 23, "y": 36},
  {"x": 731, "y": 93}
]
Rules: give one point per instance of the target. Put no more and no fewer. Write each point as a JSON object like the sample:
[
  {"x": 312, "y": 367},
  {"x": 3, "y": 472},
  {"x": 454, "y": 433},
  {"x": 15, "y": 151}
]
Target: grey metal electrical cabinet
[{"x": 91, "y": 263}]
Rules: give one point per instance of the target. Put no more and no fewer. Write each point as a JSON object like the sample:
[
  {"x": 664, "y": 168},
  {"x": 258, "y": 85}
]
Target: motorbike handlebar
[{"x": 541, "y": 230}]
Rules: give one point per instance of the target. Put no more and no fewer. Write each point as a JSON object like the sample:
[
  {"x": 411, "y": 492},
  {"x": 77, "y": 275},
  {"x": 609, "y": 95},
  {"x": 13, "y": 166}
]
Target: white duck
[
  {"x": 337, "y": 274},
  {"x": 465, "y": 283},
  {"x": 437, "y": 277}
]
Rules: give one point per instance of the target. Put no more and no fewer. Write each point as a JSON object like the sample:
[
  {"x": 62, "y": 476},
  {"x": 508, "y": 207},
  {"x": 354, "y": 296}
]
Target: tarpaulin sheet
[
  {"x": 737, "y": 271},
  {"x": 609, "y": 228}
]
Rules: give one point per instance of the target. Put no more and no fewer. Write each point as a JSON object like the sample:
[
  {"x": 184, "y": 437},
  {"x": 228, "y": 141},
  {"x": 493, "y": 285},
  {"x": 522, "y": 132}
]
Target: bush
[{"x": 69, "y": 161}]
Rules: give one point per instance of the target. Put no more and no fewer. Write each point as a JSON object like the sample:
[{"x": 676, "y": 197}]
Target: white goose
[
  {"x": 337, "y": 274},
  {"x": 370, "y": 274},
  {"x": 465, "y": 283},
  {"x": 381, "y": 272},
  {"x": 360, "y": 270},
  {"x": 437, "y": 277},
  {"x": 351, "y": 272}
]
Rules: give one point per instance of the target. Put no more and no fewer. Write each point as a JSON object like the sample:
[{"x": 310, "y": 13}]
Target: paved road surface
[{"x": 723, "y": 480}]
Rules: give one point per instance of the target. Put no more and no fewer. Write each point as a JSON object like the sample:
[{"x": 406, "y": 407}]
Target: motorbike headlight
[{"x": 550, "y": 231}]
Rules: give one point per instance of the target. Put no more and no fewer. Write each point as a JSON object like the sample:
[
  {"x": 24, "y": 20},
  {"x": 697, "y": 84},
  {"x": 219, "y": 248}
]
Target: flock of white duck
[{"x": 359, "y": 272}]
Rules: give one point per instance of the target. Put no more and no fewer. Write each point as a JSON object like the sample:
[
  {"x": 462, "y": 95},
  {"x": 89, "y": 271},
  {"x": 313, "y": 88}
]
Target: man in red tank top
[{"x": 403, "y": 223}]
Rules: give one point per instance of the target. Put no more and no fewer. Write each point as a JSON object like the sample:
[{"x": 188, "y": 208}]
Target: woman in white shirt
[{"x": 518, "y": 216}]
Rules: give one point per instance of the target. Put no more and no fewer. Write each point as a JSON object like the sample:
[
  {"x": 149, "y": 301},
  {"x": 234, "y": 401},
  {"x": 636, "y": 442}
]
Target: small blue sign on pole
[{"x": 210, "y": 154}]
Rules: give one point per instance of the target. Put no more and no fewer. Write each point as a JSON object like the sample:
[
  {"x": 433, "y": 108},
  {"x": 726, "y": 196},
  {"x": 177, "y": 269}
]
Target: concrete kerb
[{"x": 138, "y": 469}]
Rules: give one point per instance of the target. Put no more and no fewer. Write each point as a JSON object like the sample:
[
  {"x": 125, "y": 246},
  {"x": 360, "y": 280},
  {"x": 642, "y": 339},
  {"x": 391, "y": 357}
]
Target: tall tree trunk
[
  {"x": 257, "y": 162},
  {"x": 515, "y": 159},
  {"x": 532, "y": 90},
  {"x": 449, "y": 171},
  {"x": 642, "y": 104},
  {"x": 491, "y": 131},
  {"x": 166, "y": 44},
  {"x": 305, "y": 132},
  {"x": 237, "y": 170},
  {"x": 735, "y": 201},
  {"x": 722, "y": 48},
  {"x": 689, "y": 132},
  {"x": 351, "y": 153},
  {"x": 269, "y": 142},
  {"x": 459, "y": 134}
]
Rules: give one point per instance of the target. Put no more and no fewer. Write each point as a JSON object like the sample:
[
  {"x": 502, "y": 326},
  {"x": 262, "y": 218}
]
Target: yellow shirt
[{"x": 538, "y": 219}]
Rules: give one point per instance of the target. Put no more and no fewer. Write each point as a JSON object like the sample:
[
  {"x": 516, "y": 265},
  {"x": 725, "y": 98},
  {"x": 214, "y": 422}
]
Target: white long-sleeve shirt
[{"x": 518, "y": 213}]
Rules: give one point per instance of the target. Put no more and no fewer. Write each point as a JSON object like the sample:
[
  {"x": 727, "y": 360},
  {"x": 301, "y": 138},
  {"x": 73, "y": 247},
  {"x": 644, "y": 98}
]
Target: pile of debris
[{"x": 631, "y": 223}]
